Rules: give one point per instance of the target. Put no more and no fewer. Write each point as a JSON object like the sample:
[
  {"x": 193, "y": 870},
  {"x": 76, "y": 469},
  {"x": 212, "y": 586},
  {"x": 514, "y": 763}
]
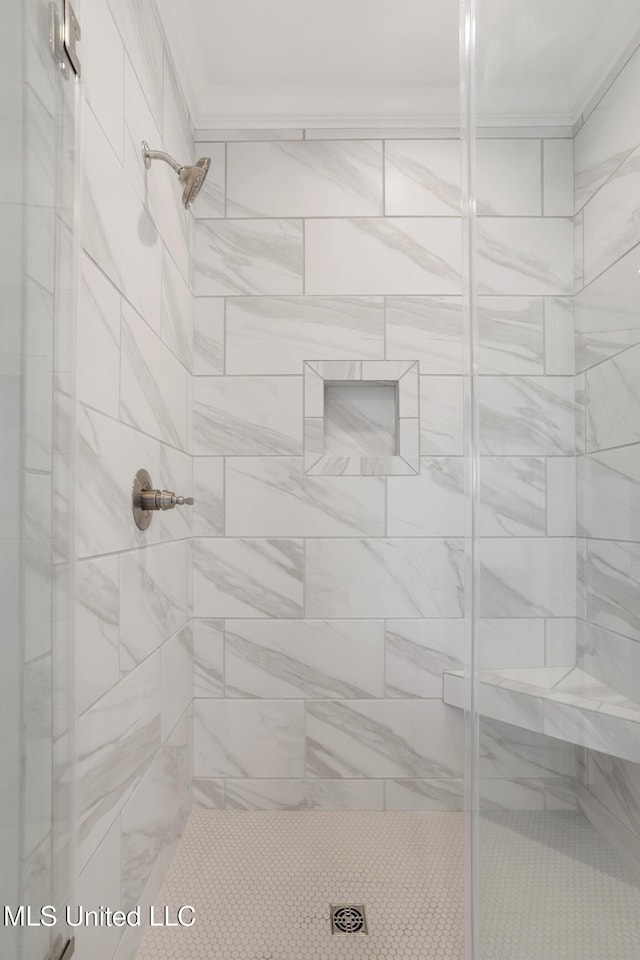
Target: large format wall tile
[
  {"x": 525, "y": 255},
  {"x": 117, "y": 738},
  {"x": 441, "y": 416},
  {"x": 304, "y": 658},
  {"x": 611, "y": 132},
  {"x": 426, "y": 329},
  {"x": 247, "y": 416},
  {"x": 613, "y": 599},
  {"x": 613, "y": 401},
  {"x": 277, "y": 334},
  {"x": 607, "y": 315},
  {"x": 154, "y": 385},
  {"x": 430, "y": 504},
  {"x": 208, "y": 658},
  {"x": 153, "y": 599},
  {"x": 98, "y": 383},
  {"x": 423, "y": 178},
  {"x": 97, "y": 623},
  {"x": 609, "y": 494},
  {"x": 511, "y": 335},
  {"x": 208, "y": 336},
  {"x": 383, "y": 578},
  {"x": 383, "y": 738},
  {"x": 247, "y": 578},
  {"x": 271, "y": 496},
  {"x": 513, "y": 498},
  {"x": 176, "y": 679},
  {"x": 112, "y": 223},
  {"x": 392, "y": 255},
  {"x": 177, "y": 312},
  {"x": 305, "y": 178},
  {"x": 610, "y": 222},
  {"x": 248, "y": 738},
  {"x": 417, "y": 654},
  {"x": 611, "y": 657},
  {"x": 527, "y": 416},
  {"x": 527, "y": 577},
  {"x": 109, "y": 453},
  {"x": 304, "y": 794},
  {"x": 248, "y": 257}
]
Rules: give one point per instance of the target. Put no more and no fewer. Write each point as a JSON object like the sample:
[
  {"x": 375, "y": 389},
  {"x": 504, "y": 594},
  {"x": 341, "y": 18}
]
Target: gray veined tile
[
  {"x": 529, "y": 256},
  {"x": 441, "y": 416},
  {"x": 98, "y": 341},
  {"x": 383, "y": 578},
  {"x": 606, "y": 313},
  {"x": 512, "y": 497},
  {"x": 611, "y": 132},
  {"x": 613, "y": 599},
  {"x": 142, "y": 34},
  {"x": 97, "y": 625},
  {"x": 435, "y": 794},
  {"x": 426, "y": 329},
  {"x": 176, "y": 680},
  {"x": 248, "y": 738},
  {"x": 509, "y": 642},
  {"x": 559, "y": 336},
  {"x": 613, "y": 401},
  {"x": 422, "y": 178},
  {"x": 430, "y": 504},
  {"x": 271, "y": 496},
  {"x": 304, "y": 658},
  {"x": 117, "y": 738},
  {"x": 177, "y": 312},
  {"x": 532, "y": 577},
  {"x": 247, "y": 416},
  {"x": 364, "y": 794},
  {"x": 511, "y": 335},
  {"x": 208, "y": 793},
  {"x": 304, "y": 178},
  {"x": 208, "y": 658},
  {"x": 527, "y": 416},
  {"x": 418, "y": 652},
  {"x": 208, "y": 336},
  {"x": 153, "y": 599},
  {"x": 609, "y": 494},
  {"x": 248, "y": 257},
  {"x": 247, "y": 578},
  {"x": 153, "y": 389},
  {"x": 510, "y": 751},
  {"x": 612, "y": 658},
  {"x": 418, "y": 255},
  {"x": 383, "y": 738},
  {"x": 610, "y": 222},
  {"x": 208, "y": 492},
  {"x": 276, "y": 334}
]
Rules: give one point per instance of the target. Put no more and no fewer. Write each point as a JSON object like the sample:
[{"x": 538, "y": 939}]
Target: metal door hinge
[{"x": 64, "y": 34}]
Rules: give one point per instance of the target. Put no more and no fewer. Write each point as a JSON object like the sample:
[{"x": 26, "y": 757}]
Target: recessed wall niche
[{"x": 361, "y": 418}]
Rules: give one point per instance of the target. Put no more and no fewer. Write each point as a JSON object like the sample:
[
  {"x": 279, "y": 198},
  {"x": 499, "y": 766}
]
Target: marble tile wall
[
  {"x": 134, "y": 643},
  {"x": 328, "y": 607},
  {"x": 607, "y": 320}
]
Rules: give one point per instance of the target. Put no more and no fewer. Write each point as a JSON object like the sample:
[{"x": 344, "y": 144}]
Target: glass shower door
[{"x": 37, "y": 183}]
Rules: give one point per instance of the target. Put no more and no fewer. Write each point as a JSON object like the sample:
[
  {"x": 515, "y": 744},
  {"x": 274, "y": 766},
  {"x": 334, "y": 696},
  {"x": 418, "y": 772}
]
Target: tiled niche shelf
[
  {"x": 361, "y": 418},
  {"x": 561, "y": 702}
]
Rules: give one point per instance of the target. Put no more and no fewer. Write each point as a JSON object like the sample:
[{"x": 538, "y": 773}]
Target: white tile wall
[
  {"x": 299, "y": 565},
  {"x": 134, "y": 670}
]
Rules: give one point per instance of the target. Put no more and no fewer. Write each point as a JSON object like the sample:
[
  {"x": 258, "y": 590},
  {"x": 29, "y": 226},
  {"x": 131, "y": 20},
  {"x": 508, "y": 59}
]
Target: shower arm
[{"x": 150, "y": 155}]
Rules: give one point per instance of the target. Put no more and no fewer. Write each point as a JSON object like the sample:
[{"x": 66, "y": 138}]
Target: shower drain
[{"x": 348, "y": 918}]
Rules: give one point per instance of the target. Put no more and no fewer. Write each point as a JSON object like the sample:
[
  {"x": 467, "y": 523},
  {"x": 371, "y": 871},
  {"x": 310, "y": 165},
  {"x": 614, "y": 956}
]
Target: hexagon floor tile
[{"x": 262, "y": 885}]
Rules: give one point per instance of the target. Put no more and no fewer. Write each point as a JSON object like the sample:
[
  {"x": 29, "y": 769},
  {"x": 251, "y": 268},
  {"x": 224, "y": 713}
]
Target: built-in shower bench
[{"x": 561, "y": 702}]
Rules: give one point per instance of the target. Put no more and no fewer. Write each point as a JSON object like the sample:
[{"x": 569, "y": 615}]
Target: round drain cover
[{"x": 348, "y": 919}]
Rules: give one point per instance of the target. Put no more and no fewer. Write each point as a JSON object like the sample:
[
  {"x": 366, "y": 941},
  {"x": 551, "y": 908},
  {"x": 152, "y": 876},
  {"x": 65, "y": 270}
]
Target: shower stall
[{"x": 320, "y": 537}]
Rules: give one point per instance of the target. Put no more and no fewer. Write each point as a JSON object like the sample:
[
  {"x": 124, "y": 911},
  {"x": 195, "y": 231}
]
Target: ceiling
[{"x": 289, "y": 63}]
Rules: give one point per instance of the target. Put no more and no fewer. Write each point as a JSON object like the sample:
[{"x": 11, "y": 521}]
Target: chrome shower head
[{"x": 191, "y": 177}]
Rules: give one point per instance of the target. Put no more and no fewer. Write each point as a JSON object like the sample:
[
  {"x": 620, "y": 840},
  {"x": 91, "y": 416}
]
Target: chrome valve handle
[{"x": 146, "y": 500}]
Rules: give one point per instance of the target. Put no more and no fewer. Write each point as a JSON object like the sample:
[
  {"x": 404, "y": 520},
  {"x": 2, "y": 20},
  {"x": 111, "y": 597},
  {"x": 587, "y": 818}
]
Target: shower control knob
[
  {"x": 146, "y": 500},
  {"x": 162, "y": 500}
]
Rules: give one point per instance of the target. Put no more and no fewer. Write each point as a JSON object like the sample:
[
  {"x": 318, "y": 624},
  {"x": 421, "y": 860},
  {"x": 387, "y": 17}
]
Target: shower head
[{"x": 191, "y": 177}]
